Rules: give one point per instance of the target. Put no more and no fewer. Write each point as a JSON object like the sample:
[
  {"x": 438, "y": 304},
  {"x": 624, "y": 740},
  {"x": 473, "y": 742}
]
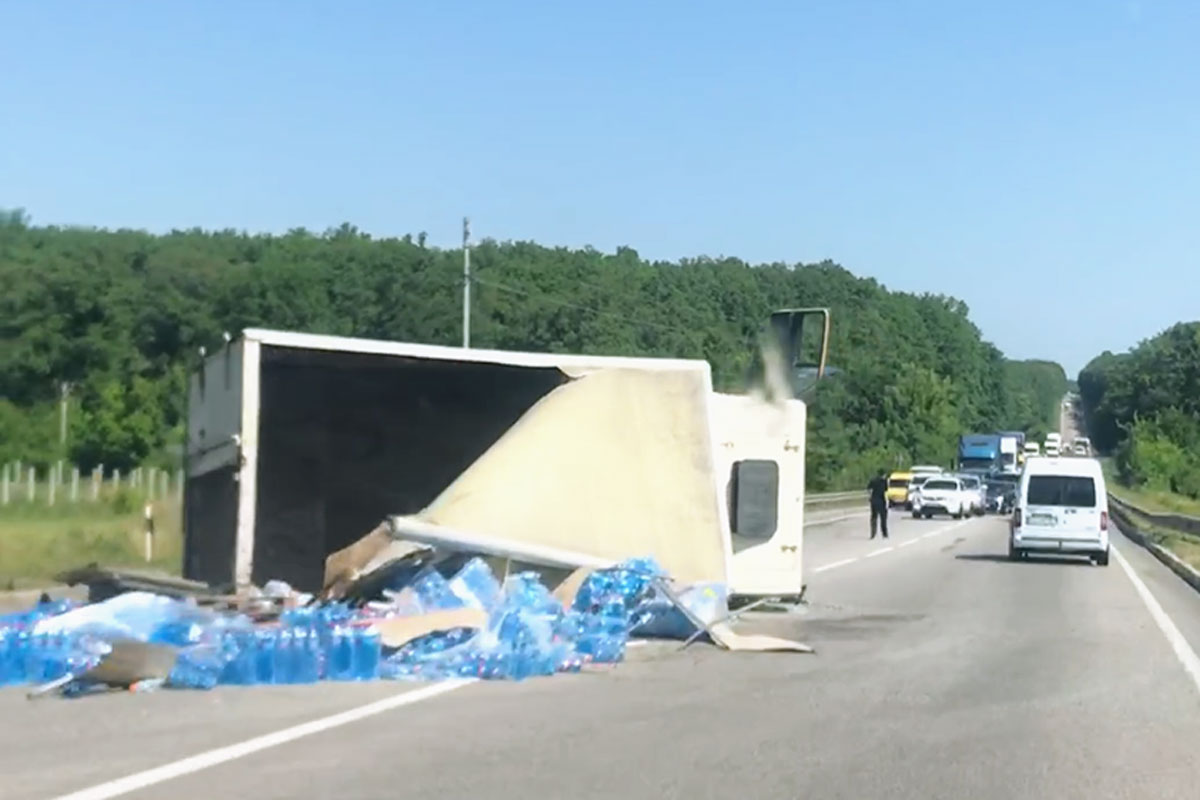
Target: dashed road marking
[
  {"x": 835, "y": 564},
  {"x": 935, "y": 532}
]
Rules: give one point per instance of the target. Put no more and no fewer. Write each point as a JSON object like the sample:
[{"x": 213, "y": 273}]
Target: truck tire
[{"x": 1101, "y": 559}]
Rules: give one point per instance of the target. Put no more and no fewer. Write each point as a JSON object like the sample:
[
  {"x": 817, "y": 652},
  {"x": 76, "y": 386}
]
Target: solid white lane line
[
  {"x": 836, "y": 564},
  {"x": 908, "y": 542},
  {"x": 1183, "y": 651},
  {"x": 220, "y": 755},
  {"x": 880, "y": 551}
]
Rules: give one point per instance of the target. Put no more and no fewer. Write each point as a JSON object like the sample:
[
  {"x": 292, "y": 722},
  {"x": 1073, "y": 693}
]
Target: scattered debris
[{"x": 387, "y": 612}]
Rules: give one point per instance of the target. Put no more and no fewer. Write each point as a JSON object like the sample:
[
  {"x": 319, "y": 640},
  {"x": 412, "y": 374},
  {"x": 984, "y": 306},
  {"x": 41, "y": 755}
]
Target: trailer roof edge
[{"x": 314, "y": 341}]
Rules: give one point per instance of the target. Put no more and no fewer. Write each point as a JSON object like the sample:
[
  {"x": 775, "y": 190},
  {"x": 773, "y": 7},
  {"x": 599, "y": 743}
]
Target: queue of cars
[
  {"x": 929, "y": 491},
  {"x": 1057, "y": 505}
]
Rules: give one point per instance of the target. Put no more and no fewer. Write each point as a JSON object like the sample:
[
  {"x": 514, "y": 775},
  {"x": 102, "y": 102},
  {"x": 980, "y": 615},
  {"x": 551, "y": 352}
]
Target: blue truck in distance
[{"x": 979, "y": 453}]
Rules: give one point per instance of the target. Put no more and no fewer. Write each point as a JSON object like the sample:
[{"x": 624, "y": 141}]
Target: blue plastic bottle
[
  {"x": 264, "y": 656},
  {"x": 284, "y": 659},
  {"x": 367, "y": 653},
  {"x": 339, "y": 654}
]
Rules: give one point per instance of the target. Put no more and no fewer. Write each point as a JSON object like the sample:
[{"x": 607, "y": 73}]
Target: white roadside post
[{"x": 149, "y": 532}]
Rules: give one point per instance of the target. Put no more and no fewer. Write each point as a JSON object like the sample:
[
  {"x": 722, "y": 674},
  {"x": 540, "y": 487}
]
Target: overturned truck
[{"x": 298, "y": 444}]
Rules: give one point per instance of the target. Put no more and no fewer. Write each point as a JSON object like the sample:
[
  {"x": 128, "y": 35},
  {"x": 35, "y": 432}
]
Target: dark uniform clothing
[{"x": 879, "y": 507}]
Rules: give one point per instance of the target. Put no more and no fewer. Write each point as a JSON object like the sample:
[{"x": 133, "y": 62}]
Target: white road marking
[
  {"x": 889, "y": 548},
  {"x": 830, "y": 520},
  {"x": 220, "y": 755},
  {"x": 835, "y": 564},
  {"x": 1183, "y": 651}
]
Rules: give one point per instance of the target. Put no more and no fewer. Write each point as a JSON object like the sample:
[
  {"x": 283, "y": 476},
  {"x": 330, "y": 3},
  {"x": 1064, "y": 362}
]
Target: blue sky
[{"x": 1040, "y": 159}]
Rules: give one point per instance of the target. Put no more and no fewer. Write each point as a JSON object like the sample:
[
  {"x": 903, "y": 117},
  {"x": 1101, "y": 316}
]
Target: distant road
[{"x": 943, "y": 671}]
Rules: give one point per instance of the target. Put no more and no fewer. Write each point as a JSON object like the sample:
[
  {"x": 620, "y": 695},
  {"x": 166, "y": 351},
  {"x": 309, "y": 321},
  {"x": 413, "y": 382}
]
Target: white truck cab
[{"x": 1062, "y": 507}]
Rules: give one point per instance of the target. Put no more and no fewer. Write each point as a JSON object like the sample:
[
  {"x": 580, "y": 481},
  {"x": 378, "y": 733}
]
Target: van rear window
[
  {"x": 897, "y": 483},
  {"x": 1062, "y": 490}
]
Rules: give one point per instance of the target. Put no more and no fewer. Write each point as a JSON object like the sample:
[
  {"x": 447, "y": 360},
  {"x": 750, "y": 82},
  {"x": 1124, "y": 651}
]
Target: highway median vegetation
[{"x": 120, "y": 316}]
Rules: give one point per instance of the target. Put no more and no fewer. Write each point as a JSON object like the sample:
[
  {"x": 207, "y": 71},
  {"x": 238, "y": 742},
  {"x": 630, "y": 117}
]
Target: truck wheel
[{"x": 1101, "y": 559}]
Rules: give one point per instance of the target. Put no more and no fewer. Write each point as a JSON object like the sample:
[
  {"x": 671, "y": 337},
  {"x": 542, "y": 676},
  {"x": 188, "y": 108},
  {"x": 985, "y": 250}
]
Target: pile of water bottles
[{"x": 528, "y": 632}]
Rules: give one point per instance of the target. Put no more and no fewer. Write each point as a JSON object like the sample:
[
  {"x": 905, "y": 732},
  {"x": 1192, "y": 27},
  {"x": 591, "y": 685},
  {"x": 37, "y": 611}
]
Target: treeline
[
  {"x": 1143, "y": 406},
  {"x": 119, "y": 316}
]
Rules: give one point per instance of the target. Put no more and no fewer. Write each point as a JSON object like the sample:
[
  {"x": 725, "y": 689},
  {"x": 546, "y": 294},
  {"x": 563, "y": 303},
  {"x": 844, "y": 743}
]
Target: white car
[
  {"x": 1062, "y": 508},
  {"x": 942, "y": 494},
  {"x": 976, "y": 491},
  {"x": 1032, "y": 449}
]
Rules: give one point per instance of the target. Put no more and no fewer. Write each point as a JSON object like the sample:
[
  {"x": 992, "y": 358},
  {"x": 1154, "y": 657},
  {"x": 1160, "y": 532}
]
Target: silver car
[{"x": 976, "y": 490}]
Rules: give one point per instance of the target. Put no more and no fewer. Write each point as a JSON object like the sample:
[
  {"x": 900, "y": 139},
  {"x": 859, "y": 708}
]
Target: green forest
[
  {"x": 118, "y": 318},
  {"x": 1143, "y": 406}
]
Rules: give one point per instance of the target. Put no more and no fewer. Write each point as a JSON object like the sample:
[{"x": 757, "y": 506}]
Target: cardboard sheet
[
  {"x": 397, "y": 631},
  {"x": 725, "y": 636}
]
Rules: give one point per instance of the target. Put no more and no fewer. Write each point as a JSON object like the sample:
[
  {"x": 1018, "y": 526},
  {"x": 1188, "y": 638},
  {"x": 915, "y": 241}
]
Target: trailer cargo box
[{"x": 298, "y": 444}]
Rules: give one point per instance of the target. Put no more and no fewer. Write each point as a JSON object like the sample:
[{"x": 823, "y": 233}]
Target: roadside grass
[
  {"x": 1184, "y": 545},
  {"x": 38, "y": 542},
  {"x": 1150, "y": 499}
]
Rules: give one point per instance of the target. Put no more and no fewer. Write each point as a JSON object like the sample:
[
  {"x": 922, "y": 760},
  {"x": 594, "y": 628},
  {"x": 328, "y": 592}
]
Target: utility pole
[{"x": 466, "y": 321}]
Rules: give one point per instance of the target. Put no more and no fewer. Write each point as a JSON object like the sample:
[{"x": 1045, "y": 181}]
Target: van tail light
[{"x": 1103, "y": 520}]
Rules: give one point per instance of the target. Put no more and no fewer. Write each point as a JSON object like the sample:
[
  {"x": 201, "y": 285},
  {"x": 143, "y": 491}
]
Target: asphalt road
[{"x": 942, "y": 671}]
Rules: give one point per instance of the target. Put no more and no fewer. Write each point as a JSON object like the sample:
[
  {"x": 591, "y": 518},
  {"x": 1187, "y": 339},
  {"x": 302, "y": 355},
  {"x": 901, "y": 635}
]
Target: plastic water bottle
[
  {"x": 475, "y": 585},
  {"x": 239, "y": 652},
  {"x": 16, "y": 654},
  {"x": 196, "y": 667},
  {"x": 367, "y": 650},
  {"x": 339, "y": 653},
  {"x": 434, "y": 591},
  {"x": 264, "y": 656},
  {"x": 284, "y": 658},
  {"x": 305, "y": 656}
]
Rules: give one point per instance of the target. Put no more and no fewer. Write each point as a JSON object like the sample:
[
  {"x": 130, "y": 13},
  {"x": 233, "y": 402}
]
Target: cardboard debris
[
  {"x": 398, "y": 631},
  {"x": 725, "y": 637},
  {"x": 131, "y": 661},
  {"x": 362, "y": 569}
]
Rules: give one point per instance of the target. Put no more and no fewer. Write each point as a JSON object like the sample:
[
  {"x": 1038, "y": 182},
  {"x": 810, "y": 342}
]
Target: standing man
[{"x": 879, "y": 507}]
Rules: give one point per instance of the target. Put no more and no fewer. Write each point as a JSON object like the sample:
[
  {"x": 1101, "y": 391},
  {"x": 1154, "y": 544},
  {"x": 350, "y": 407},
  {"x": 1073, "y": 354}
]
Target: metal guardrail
[
  {"x": 1183, "y": 523},
  {"x": 829, "y": 498}
]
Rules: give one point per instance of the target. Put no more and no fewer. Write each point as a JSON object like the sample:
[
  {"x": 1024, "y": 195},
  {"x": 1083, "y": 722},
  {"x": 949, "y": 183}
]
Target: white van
[{"x": 1062, "y": 507}]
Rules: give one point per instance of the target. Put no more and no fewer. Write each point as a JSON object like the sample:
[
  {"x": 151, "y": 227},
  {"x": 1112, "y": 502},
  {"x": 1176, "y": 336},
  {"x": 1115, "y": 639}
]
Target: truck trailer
[{"x": 299, "y": 444}]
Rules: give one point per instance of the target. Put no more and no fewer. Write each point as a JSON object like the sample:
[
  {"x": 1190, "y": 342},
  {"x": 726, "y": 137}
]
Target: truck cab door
[{"x": 766, "y": 500}]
